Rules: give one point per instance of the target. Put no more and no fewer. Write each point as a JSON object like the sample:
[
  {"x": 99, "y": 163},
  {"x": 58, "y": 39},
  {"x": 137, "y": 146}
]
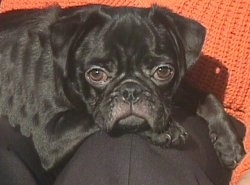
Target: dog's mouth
[
  {"x": 130, "y": 123},
  {"x": 119, "y": 116}
]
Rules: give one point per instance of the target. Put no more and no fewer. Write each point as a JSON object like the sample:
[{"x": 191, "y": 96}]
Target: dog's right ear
[
  {"x": 190, "y": 33},
  {"x": 70, "y": 27}
]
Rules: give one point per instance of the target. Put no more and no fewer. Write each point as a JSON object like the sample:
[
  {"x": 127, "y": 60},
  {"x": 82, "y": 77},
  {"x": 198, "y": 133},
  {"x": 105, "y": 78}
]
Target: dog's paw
[
  {"x": 178, "y": 134},
  {"x": 228, "y": 149},
  {"x": 174, "y": 136},
  {"x": 160, "y": 139}
]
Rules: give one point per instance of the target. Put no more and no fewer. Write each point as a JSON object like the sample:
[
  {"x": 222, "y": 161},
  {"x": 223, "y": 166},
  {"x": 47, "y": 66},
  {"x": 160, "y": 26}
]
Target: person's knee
[{"x": 129, "y": 159}]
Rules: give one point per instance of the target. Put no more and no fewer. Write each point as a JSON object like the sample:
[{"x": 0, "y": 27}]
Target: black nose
[{"x": 131, "y": 92}]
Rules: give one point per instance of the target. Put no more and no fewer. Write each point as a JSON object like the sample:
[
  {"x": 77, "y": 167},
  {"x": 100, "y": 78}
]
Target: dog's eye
[
  {"x": 97, "y": 76},
  {"x": 163, "y": 73}
]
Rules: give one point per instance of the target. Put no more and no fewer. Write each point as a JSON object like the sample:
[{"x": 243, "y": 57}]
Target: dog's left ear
[
  {"x": 69, "y": 28},
  {"x": 191, "y": 33}
]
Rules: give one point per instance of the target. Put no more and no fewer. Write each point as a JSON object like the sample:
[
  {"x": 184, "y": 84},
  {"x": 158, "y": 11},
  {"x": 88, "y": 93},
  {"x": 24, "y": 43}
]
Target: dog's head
[{"x": 123, "y": 65}]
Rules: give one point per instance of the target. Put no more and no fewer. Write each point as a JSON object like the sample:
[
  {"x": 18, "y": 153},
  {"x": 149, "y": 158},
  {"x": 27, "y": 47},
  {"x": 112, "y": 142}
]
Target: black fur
[{"x": 47, "y": 57}]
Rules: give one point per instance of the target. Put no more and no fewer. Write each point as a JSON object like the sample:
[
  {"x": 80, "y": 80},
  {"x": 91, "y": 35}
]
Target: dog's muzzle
[{"x": 130, "y": 112}]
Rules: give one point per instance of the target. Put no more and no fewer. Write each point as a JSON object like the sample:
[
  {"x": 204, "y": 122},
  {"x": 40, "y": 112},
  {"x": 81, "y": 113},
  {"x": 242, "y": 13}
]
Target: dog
[{"x": 68, "y": 73}]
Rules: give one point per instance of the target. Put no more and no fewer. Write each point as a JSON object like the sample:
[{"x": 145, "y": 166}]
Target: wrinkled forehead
[
  {"x": 134, "y": 33},
  {"x": 128, "y": 37},
  {"x": 131, "y": 33}
]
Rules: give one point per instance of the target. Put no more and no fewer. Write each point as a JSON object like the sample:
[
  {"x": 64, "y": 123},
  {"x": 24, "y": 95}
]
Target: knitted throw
[{"x": 224, "y": 67}]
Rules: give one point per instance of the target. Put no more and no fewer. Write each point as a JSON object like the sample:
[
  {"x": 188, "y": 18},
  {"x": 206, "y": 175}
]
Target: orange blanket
[{"x": 225, "y": 67}]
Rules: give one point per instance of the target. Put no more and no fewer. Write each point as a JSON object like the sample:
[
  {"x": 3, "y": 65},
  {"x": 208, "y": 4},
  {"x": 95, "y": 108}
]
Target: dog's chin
[{"x": 131, "y": 123}]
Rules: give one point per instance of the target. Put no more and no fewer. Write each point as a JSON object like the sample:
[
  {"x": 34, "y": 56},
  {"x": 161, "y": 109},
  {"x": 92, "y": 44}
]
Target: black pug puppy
[{"x": 68, "y": 73}]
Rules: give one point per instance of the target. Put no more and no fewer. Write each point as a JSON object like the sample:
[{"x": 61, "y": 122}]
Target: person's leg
[
  {"x": 13, "y": 171},
  {"x": 19, "y": 162},
  {"x": 130, "y": 159}
]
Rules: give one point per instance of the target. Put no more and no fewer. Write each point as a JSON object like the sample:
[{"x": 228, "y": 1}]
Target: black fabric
[
  {"x": 131, "y": 162},
  {"x": 19, "y": 162},
  {"x": 105, "y": 160}
]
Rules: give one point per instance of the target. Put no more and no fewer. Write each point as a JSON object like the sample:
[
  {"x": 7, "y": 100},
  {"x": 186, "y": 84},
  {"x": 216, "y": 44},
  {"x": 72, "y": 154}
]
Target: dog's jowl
[{"x": 68, "y": 73}]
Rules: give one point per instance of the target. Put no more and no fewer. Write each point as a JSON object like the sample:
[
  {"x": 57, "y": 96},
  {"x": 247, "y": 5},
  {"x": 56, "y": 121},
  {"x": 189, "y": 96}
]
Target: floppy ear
[
  {"x": 190, "y": 33},
  {"x": 66, "y": 34},
  {"x": 69, "y": 28}
]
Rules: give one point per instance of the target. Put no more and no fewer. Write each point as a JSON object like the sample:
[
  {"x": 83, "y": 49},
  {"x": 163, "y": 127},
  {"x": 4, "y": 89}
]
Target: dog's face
[{"x": 124, "y": 64}]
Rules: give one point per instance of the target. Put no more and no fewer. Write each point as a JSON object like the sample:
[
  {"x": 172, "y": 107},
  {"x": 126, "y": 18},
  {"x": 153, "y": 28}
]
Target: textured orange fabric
[{"x": 224, "y": 68}]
